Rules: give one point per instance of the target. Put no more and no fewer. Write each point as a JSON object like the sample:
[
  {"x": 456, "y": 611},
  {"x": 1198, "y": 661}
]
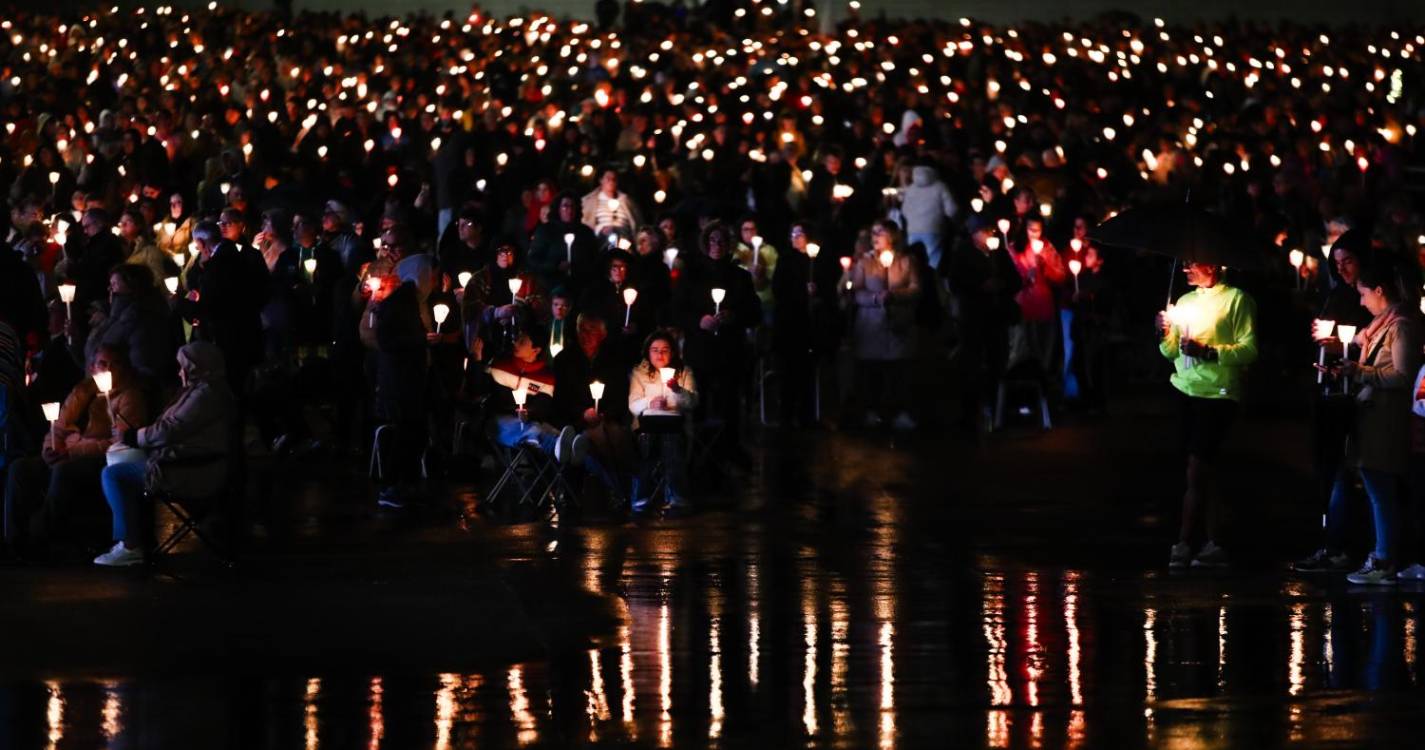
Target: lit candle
[
  {"x": 51, "y": 411},
  {"x": 1296, "y": 257},
  {"x": 596, "y": 389},
  {"x": 555, "y": 348},
  {"x": 814, "y": 250},
  {"x": 666, "y": 374},
  {"x": 1074, "y": 267},
  {"x": 756, "y": 251},
  {"x": 104, "y": 381},
  {"x": 887, "y": 258},
  {"x": 1037, "y": 246},
  {"x": 1322, "y": 332},
  {"x": 441, "y": 311},
  {"x": 520, "y": 395},
  {"x": 569, "y": 247},
  {"x": 515, "y": 285},
  {"x": 464, "y": 278},
  {"x": 629, "y": 296},
  {"x": 670, "y": 256},
  {"x": 1003, "y": 225},
  {"x": 846, "y": 270},
  {"x": 718, "y": 295},
  {"x": 310, "y": 264},
  {"x": 172, "y": 284}
]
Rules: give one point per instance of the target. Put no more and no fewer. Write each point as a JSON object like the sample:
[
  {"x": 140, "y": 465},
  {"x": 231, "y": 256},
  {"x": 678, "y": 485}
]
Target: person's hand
[
  {"x": 591, "y": 417},
  {"x": 1162, "y": 322},
  {"x": 707, "y": 323},
  {"x": 672, "y": 384},
  {"x": 433, "y": 338},
  {"x": 1348, "y": 369},
  {"x": 55, "y": 452},
  {"x": 724, "y": 317},
  {"x": 986, "y": 194},
  {"x": 630, "y": 329},
  {"x": 659, "y": 403},
  {"x": 1192, "y": 348}
]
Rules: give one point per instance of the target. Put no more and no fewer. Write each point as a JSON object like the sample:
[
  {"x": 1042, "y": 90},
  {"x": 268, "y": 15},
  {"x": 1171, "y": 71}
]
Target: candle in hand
[
  {"x": 515, "y": 285},
  {"x": 569, "y": 247},
  {"x": 51, "y": 410},
  {"x": 596, "y": 389},
  {"x": 629, "y": 296},
  {"x": 66, "y": 293},
  {"x": 813, "y": 250},
  {"x": 670, "y": 256},
  {"x": 887, "y": 258},
  {"x": 310, "y": 265},
  {"x": 171, "y": 283},
  {"x": 1074, "y": 267},
  {"x": 441, "y": 311},
  {"x": 104, "y": 381},
  {"x": 666, "y": 374},
  {"x": 464, "y": 278},
  {"x": 718, "y": 295}
]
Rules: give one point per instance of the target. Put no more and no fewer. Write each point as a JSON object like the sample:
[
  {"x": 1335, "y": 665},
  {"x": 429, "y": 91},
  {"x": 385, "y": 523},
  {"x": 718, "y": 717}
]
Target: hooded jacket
[
  {"x": 926, "y": 203},
  {"x": 189, "y": 445}
]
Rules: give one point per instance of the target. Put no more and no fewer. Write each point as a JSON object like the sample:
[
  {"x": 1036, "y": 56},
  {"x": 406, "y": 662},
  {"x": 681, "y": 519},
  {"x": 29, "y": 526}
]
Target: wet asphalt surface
[{"x": 854, "y": 590}]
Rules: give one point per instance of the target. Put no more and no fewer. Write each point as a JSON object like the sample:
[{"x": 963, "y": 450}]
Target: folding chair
[
  {"x": 377, "y": 469},
  {"x": 1020, "y": 379},
  {"x": 191, "y": 513},
  {"x": 539, "y": 477}
]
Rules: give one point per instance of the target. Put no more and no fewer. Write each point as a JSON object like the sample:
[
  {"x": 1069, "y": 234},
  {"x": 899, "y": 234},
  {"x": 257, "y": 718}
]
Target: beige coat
[
  {"x": 644, "y": 386},
  {"x": 1383, "y": 396}
]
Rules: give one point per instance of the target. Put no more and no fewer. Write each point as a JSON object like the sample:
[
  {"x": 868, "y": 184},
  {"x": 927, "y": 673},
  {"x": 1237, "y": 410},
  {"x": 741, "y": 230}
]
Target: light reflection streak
[
  {"x": 1410, "y": 645},
  {"x": 54, "y": 714},
  {"x": 1075, "y": 658},
  {"x": 113, "y": 712},
  {"x": 888, "y": 686},
  {"x": 625, "y": 674},
  {"x": 997, "y": 720},
  {"x": 840, "y": 653},
  {"x": 754, "y": 629},
  {"x": 665, "y": 676},
  {"x": 809, "y": 721},
  {"x": 1221, "y": 648},
  {"x": 445, "y": 710},
  {"x": 376, "y": 715},
  {"x": 1033, "y": 666},
  {"x": 1296, "y": 659},
  {"x": 1328, "y": 650},
  {"x": 715, "y": 707},
  {"x": 1150, "y": 664},
  {"x": 519, "y": 706},
  {"x": 598, "y": 699},
  {"x": 309, "y": 711}
]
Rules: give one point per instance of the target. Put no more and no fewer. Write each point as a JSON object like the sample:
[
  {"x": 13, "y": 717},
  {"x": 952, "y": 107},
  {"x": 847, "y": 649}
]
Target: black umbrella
[{"x": 1183, "y": 232}]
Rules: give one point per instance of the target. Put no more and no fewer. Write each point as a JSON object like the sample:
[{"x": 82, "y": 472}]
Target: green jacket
[{"x": 1222, "y": 317}]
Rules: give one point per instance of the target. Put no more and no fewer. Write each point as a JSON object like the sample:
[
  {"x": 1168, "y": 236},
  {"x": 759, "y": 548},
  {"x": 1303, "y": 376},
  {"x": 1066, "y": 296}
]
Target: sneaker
[
  {"x": 873, "y": 420},
  {"x": 1210, "y": 556},
  {"x": 1375, "y": 572},
  {"x": 578, "y": 450},
  {"x": 120, "y": 556},
  {"x": 1181, "y": 556},
  {"x": 1322, "y": 561},
  {"x": 391, "y": 498},
  {"x": 903, "y": 422},
  {"x": 564, "y": 449},
  {"x": 1415, "y": 572}
]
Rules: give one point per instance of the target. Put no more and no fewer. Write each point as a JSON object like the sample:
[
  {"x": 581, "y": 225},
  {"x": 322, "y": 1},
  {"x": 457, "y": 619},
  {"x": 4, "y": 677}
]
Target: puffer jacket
[
  {"x": 926, "y": 203},
  {"x": 140, "y": 324},
  {"x": 189, "y": 446},
  {"x": 84, "y": 425}
]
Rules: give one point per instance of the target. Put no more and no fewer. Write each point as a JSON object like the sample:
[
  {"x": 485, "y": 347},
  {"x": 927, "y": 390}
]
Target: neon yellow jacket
[{"x": 1221, "y": 317}]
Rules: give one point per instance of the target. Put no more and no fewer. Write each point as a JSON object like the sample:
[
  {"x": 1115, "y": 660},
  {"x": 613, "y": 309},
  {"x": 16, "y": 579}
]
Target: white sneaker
[
  {"x": 1415, "y": 572},
  {"x": 903, "y": 422},
  {"x": 120, "y": 556},
  {"x": 1375, "y": 572}
]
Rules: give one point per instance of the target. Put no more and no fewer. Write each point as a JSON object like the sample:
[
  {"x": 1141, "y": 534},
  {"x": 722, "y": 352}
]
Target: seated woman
[
  {"x": 661, "y": 397},
  {"x": 67, "y": 470},
  {"x": 526, "y": 371},
  {"x": 187, "y": 449}
]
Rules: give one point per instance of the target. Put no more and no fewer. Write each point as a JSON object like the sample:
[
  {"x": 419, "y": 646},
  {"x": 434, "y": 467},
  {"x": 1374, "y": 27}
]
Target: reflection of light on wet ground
[
  {"x": 1075, "y": 658},
  {"x": 840, "y": 653},
  {"x": 1221, "y": 648},
  {"x": 665, "y": 676},
  {"x": 1296, "y": 659},
  {"x": 754, "y": 624},
  {"x": 113, "y": 712},
  {"x": 309, "y": 711},
  {"x": 519, "y": 706},
  {"x": 54, "y": 714},
  {"x": 625, "y": 676},
  {"x": 997, "y": 679},
  {"x": 1328, "y": 649},
  {"x": 809, "y": 722},
  {"x": 888, "y": 686},
  {"x": 375, "y": 714},
  {"x": 1150, "y": 662},
  {"x": 1410, "y": 625},
  {"x": 1033, "y": 656},
  {"x": 445, "y": 710},
  {"x": 598, "y": 698},
  {"x": 715, "y": 708}
]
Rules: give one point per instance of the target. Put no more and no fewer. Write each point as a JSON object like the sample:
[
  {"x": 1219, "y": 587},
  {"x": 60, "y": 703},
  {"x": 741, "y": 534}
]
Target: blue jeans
[
  {"x": 1382, "y": 488},
  {"x": 511, "y": 432},
  {"x": 123, "y": 487}
]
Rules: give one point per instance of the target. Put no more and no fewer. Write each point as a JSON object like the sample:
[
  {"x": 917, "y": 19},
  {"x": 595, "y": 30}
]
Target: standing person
[
  {"x": 1041, "y": 269},
  {"x": 799, "y": 304},
  {"x": 401, "y": 327},
  {"x": 885, "y": 286},
  {"x": 984, "y": 281},
  {"x": 549, "y": 254},
  {"x": 927, "y": 206},
  {"x": 224, "y": 304},
  {"x": 1379, "y": 444},
  {"x": 1210, "y": 337}
]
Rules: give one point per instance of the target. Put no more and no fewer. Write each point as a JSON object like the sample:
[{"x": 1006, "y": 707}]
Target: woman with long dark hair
[{"x": 661, "y": 397}]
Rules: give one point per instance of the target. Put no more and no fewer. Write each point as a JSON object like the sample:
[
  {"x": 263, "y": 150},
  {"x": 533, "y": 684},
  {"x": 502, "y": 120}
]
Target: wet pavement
[{"x": 859, "y": 590}]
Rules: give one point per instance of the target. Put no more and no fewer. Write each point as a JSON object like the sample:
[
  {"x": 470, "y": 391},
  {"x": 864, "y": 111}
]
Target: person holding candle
[
  {"x": 226, "y": 293},
  {"x": 1210, "y": 337},
  {"x": 488, "y": 299},
  {"x": 928, "y": 208},
  {"x": 885, "y": 287},
  {"x": 608, "y": 210},
  {"x": 190, "y": 452},
  {"x": 716, "y": 343},
  {"x": 177, "y": 226},
  {"x": 662, "y": 395},
  {"x": 137, "y": 237},
  {"x": 138, "y": 321},
  {"x": 587, "y": 360},
  {"x": 1378, "y": 447},
  {"x": 765, "y": 265},
  {"x": 401, "y": 330},
  {"x": 561, "y": 263},
  {"x": 608, "y": 299},
  {"x": 649, "y": 272},
  {"x": 1092, "y": 299},
  {"x": 802, "y": 331},
  {"x": 984, "y": 280},
  {"x": 527, "y": 369},
  {"x": 41, "y": 492},
  {"x": 1332, "y": 408},
  {"x": 1033, "y": 342},
  {"x": 88, "y": 256}
]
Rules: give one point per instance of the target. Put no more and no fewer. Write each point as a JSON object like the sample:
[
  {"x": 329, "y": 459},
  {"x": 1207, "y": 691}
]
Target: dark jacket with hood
[{"x": 189, "y": 446}]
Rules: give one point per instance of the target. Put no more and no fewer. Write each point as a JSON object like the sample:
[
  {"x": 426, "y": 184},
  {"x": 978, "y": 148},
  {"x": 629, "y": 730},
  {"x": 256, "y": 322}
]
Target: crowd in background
[{"x": 245, "y": 219}]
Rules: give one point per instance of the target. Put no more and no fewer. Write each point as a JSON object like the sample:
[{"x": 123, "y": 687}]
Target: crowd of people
[{"x": 222, "y": 222}]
